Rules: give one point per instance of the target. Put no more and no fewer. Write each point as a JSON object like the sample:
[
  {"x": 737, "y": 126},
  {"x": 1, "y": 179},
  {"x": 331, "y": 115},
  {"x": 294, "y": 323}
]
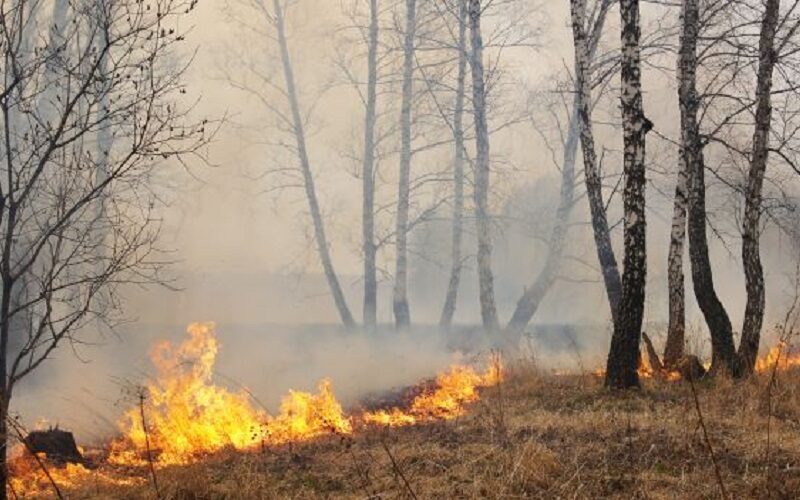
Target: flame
[
  {"x": 187, "y": 416},
  {"x": 454, "y": 389},
  {"x": 181, "y": 416},
  {"x": 779, "y": 356}
]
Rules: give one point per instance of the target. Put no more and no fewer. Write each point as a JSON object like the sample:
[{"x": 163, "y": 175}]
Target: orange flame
[
  {"x": 187, "y": 416},
  {"x": 454, "y": 389},
  {"x": 181, "y": 416}
]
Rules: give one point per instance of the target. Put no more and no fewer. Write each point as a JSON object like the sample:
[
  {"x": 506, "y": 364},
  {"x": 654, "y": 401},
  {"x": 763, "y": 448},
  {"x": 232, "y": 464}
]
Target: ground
[{"x": 537, "y": 435}]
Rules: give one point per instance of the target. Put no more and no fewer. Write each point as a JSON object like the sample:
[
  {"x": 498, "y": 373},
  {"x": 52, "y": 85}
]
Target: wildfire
[
  {"x": 781, "y": 354},
  {"x": 454, "y": 389},
  {"x": 181, "y": 416}
]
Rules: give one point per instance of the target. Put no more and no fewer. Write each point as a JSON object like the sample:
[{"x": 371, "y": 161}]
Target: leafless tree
[
  {"x": 65, "y": 96},
  {"x": 623, "y": 357},
  {"x": 482, "y": 173}
]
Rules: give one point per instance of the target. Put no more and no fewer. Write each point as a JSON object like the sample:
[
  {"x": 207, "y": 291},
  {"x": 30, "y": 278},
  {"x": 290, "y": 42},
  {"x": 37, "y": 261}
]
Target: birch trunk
[
  {"x": 482, "y": 170},
  {"x": 751, "y": 258},
  {"x": 308, "y": 177},
  {"x": 585, "y": 48},
  {"x": 594, "y": 184},
  {"x": 623, "y": 357},
  {"x": 719, "y": 324},
  {"x": 368, "y": 214},
  {"x": 676, "y": 330},
  {"x": 402, "y": 314},
  {"x": 456, "y": 264}
]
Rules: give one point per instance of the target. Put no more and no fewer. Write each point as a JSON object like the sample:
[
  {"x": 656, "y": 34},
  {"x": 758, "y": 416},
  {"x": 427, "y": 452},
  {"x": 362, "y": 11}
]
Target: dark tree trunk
[
  {"x": 368, "y": 172},
  {"x": 623, "y": 357},
  {"x": 719, "y": 324},
  {"x": 594, "y": 184},
  {"x": 751, "y": 258},
  {"x": 456, "y": 264},
  {"x": 308, "y": 177},
  {"x": 402, "y": 314},
  {"x": 482, "y": 170}
]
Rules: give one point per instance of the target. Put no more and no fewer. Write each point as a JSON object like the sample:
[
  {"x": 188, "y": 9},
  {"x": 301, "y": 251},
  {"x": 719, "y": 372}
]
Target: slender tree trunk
[
  {"x": 402, "y": 314},
  {"x": 482, "y": 170},
  {"x": 368, "y": 215},
  {"x": 623, "y": 357},
  {"x": 586, "y": 46},
  {"x": 456, "y": 264},
  {"x": 751, "y": 258},
  {"x": 308, "y": 178},
  {"x": 719, "y": 324},
  {"x": 594, "y": 183},
  {"x": 676, "y": 330}
]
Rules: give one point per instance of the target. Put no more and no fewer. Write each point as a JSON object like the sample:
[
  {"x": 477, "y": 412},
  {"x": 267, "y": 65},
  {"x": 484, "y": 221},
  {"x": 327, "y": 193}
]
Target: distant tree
[{"x": 69, "y": 89}]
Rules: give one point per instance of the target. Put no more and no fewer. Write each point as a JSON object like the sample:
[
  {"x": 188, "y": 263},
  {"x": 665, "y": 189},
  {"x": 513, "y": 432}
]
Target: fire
[
  {"x": 181, "y": 416},
  {"x": 781, "y": 354},
  {"x": 182, "y": 413},
  {"x": 454, "y": 389}
]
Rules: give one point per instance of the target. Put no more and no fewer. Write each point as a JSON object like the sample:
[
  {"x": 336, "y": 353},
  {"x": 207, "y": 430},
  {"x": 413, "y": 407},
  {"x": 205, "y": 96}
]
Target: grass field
[{"x": 534, "y": 436}]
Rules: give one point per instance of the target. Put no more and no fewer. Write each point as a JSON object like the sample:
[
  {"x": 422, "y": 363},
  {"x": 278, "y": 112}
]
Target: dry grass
[{"x": 535, "y": 436}]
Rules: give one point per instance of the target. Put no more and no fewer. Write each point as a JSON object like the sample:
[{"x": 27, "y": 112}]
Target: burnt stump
[{"x": 59, "y": 445}]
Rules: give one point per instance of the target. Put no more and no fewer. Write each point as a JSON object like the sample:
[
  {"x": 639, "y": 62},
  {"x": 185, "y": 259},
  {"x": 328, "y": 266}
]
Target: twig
[
  {"x": 39, "y": 461},
  {"x": 770, "y": 385},
  {"x": 147, "y": 445},
  {"x": 398, "y": 470},
  {"x": 707, "y": 439}
]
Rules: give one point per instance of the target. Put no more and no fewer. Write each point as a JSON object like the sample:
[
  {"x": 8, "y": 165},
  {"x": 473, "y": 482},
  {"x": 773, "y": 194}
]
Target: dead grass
[{"x": 535, "y": 436}]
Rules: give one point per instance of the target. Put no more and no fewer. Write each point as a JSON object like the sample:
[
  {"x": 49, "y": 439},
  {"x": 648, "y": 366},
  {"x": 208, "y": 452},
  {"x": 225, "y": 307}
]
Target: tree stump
[{"x": 59, "y": 445}]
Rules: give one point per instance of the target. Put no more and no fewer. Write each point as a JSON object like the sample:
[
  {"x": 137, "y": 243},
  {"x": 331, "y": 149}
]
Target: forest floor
[{"x": 534, "y": 436}]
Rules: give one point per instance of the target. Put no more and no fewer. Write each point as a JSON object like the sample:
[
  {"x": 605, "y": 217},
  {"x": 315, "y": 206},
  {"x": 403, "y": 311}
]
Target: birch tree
[
  {"x": 592, "y": 177},
  {"x": 623, "y": 357},
  {"x": 402, "y": 314},
  {"x": 456, "y": 259},
  {"x": 483, "y": 225},
  {"x": 586, "y": 34},
  {"x": 751, "y": 258},
  {"x": 368, "y": 174}
]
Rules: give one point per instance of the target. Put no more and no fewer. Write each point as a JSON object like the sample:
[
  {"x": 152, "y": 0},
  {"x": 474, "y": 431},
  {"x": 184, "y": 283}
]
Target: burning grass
[{"x": 533, "y": 436}]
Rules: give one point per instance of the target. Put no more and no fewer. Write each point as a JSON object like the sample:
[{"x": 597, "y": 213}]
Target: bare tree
[
  {"x": 592, "y": 176},
  {"x": 368, "y": 174},
  {"x": 751, "y": 258},
  {"x": 586, "y": 33},
  {"x": 623, "y": 357},
  {"x": 456, "y": 260},
  {"x": 102, "y": 71},
  {"x": 402, "y": 314},
  {"x": 482, "y": 172}
]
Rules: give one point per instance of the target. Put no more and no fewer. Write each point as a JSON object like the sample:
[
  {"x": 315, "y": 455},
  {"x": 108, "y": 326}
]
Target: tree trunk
[
  {"x": 482, "y": 169},
  {"x": 456, "y": 264},
  {"x": 751, "y": 258},
  {"x": 719, "y": 324},
  {"x": 529, "y": 303},
  {"x": 402, "y": 314},
  {"x": 308, "y": 177},
  {"x": 623, "y": 357},
  {"x": 368, "y": 214},
  {"x": 676, "y": 331},
  {"x": 594, "y": 184}
]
